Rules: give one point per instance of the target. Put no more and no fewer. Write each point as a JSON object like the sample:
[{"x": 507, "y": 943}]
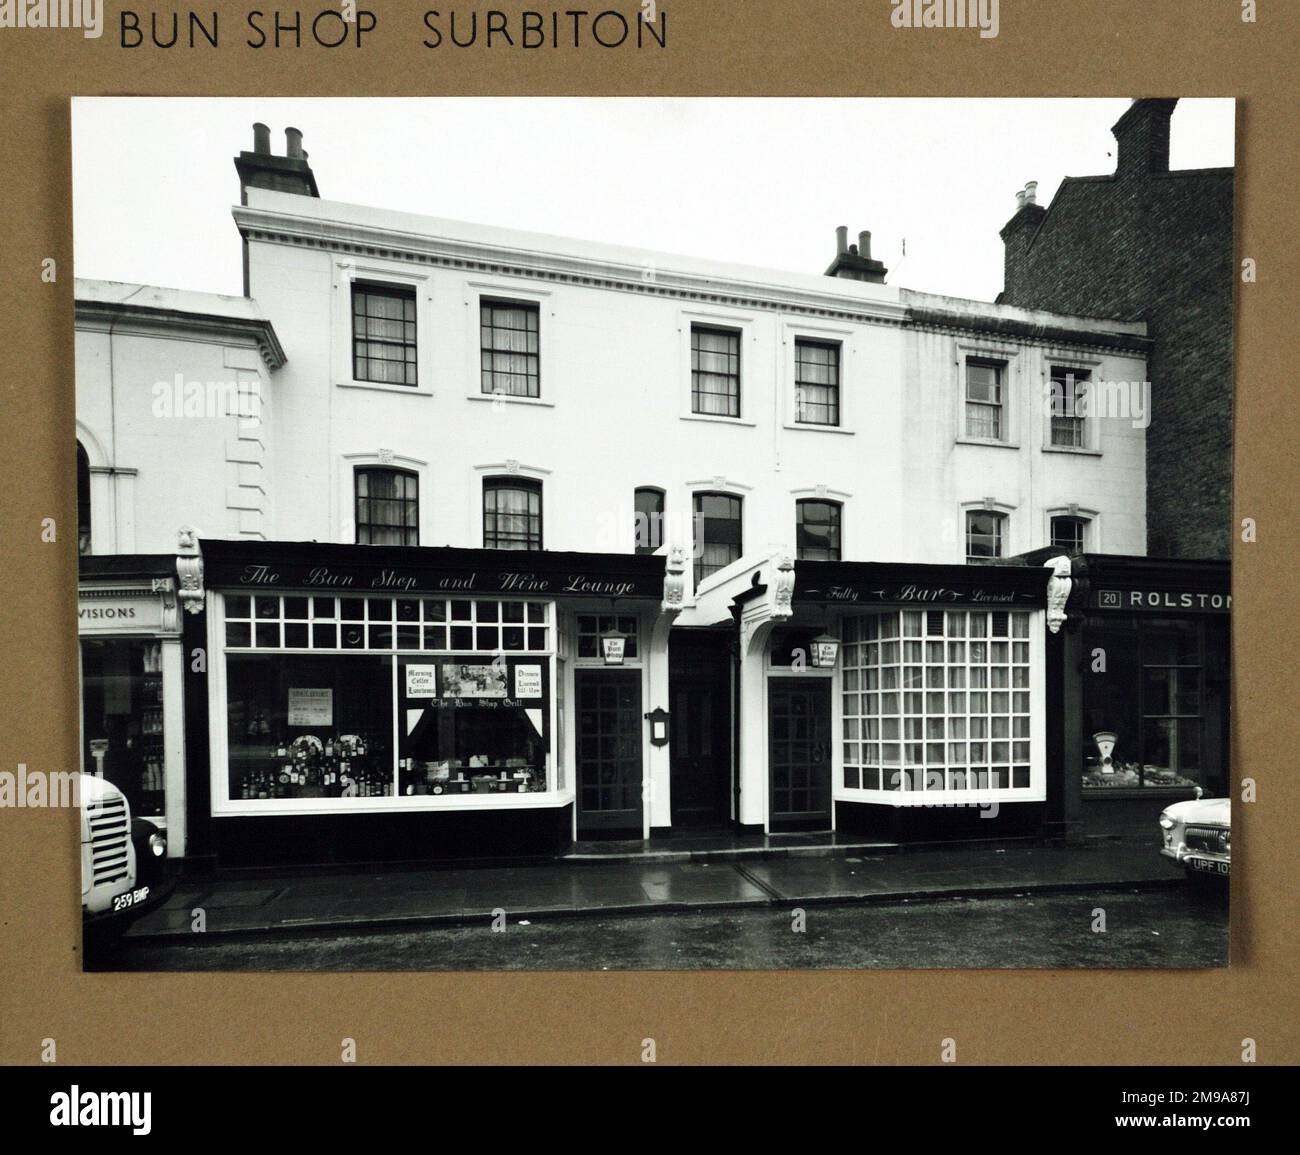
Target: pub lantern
[
  {"x": 613, "y": 647},
  {"x": 658, "y": 719},
  {"x": 825, "y": 651}
]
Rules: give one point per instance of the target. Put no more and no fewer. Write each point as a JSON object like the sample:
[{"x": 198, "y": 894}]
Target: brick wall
[{"x": 1148, "y": 244}]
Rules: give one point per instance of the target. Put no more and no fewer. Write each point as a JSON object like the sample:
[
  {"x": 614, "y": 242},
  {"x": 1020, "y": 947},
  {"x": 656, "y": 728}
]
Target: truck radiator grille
[{"x": 110, "y": 841}]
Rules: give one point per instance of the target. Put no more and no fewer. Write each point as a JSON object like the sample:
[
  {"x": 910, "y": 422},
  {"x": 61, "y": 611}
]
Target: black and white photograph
[{"x": 692, "y": 533}]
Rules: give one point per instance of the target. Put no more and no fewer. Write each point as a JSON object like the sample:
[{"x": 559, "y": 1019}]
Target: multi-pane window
[
  {"x": 985, "y": 399},
  {"x": 649, "y": 519},
  {"x": 592, "y": 626},
  {"x": 817, "y": 530},
  {"x": 718, "y": 538},
  {"x": 817, "y": 382},
  {"x": 1069, "y": 532},
  {"x": 937, "y": 701},
  {"x": 1069, "y": 406},
  {"x": 388, "y": 507},
  {"x": 302, "y": 622},
  {"x": 511, "y": 358},
  {"x": 715, "y": 371},
  {"x": 512, "y": 513},
  {"x": 383, "y": 334},
  {"x": 984, "y": 534}
]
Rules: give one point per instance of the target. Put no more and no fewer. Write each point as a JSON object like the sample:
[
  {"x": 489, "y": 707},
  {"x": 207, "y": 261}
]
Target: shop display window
[
  {"x": 937, "y": 701},
  {"x": 1152, "y": 706},
  {"x": 475, "y": 724},
  {"x": 122, "y": 719},
  {"x": 343, "y": 698},
  {"x": 306, "y": 727}
]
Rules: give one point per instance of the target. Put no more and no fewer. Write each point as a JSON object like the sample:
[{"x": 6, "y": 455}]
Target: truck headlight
[{"x": 157, "y": 844}]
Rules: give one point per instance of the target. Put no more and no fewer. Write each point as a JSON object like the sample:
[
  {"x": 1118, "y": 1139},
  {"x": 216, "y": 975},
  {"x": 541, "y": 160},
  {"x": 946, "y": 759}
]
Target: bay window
[{"x": 937, "y": 703}]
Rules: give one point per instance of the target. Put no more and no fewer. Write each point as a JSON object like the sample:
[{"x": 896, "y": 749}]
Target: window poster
[
  {"x": 528, "y": 681},
  {"x": 421, "y": 681},
  {"x": 463, "y": 680},
  {"x": 311, "y": 707}
]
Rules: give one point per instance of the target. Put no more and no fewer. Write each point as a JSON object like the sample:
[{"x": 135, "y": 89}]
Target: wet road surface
[{"x": 1173, "y": 926}]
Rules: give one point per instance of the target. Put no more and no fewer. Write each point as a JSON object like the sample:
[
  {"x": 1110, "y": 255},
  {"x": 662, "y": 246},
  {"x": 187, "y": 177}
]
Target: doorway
[
  {"x": 609, "y": 752},
  {"x": 799, "y": 762},
  {"x": 699, "y": 686}
]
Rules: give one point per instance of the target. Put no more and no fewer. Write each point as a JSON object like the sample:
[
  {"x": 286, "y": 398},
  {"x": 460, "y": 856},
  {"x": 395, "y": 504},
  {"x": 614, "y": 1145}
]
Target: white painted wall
[{"x": 614, "y": 411}]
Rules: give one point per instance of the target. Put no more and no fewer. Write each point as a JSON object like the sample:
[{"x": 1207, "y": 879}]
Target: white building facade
[{"x": 500, "y": 540}]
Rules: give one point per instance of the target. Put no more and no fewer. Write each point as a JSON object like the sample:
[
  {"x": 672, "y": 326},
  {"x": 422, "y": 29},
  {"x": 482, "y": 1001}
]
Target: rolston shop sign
[
  {"x": 430, "y": 570},
  {"x": 1182, "y": 601}
]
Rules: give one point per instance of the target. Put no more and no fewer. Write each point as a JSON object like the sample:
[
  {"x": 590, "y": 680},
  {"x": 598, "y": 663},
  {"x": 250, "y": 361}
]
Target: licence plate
[
  {"x": 131, "y": 898},
  {"x": 1209, "y": 866}
]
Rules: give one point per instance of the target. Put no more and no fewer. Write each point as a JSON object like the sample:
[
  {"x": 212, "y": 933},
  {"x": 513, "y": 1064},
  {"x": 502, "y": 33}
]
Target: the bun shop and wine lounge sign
[{"x": 428, "y": 570}]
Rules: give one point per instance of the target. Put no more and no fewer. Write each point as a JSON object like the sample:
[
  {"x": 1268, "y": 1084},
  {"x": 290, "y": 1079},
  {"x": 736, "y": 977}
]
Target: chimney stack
[
  {"x": 853, "y": 262},
  {"x": 1142, "y": 135},
  {"x": 1018, "y": 233},
  {"x": 262, "y": 169}
]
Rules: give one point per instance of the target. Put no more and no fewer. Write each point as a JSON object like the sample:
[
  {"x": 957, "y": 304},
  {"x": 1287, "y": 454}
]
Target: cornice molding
[
  {"x": 105, "y": 315},
  {"x": 385, "y": 243}
]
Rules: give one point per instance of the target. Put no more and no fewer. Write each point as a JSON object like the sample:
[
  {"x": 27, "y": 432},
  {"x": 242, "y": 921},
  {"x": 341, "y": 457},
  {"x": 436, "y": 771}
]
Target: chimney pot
[
  {"x": 293, "y": 143},
  {"x": 1031, "y": 192},
  {"x": 842, "y": 239},
  {"x": 1020, "y": 200},
  {"x": 864, "y": 244},
  {"x": 261, "y": 139}
]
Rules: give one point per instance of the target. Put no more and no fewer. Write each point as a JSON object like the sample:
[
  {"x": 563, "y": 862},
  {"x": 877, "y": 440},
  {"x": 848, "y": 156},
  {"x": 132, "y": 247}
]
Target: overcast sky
[{"x": 757, "y": 181}]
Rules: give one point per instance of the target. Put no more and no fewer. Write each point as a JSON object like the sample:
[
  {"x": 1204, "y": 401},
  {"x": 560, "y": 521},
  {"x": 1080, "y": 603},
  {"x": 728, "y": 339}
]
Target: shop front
[
  {"x": 934, "y": 699},
  {"x": 132, "y": 731},
  {"x": 370, "y": 703},
  {"x": 1153, "y": 683}
]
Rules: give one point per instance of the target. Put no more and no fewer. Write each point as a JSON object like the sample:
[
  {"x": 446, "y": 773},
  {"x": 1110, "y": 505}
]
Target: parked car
[
  {"x": 124, "y": 871},
  {"x": 1198, "y": 836}
]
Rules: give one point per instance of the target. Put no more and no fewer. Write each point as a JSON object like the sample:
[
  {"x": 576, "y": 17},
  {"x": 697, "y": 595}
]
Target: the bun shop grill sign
[{"x": 419, "y": 570}]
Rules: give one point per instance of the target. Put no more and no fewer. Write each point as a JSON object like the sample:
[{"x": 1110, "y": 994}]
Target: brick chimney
[
  {"x": 262, "y": 169},
  {"x": 1017, "y": 234},
  {"x": 853, "y": 262},
  {"x": 1142, "y": 135}
]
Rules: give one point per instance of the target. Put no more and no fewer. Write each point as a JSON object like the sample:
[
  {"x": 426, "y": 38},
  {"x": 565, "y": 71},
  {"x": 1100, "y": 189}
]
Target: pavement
[{"x": 378, "y": 898}]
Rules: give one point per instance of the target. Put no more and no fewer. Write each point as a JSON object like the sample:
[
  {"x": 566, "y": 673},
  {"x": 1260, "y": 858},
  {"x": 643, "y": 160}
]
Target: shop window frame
[{"x": 222, "y": 804}]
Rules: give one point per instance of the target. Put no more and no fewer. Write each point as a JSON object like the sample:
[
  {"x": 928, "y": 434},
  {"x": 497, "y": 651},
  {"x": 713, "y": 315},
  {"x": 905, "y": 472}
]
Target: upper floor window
[
  {"x": 388, "y": 507},
  {"x": 985, "y": 399},
  {"x": 817, "y": 382},
  {"x": 985, "y": 534},
  {"x": 718, "y": 533},
  {"x": 83, "y": 500},
  {"x": 383, "y": 334},
  {"x": 1069, "y": 389},
  {"x": 1070, "y": 532},
  {"x": 817, "y": 530},
  {"x": 715, "y": 371},
  {"x": 511, "y": 350},
  {"x": 649, "y": 519},
  {"x": 512, "y": 513}
]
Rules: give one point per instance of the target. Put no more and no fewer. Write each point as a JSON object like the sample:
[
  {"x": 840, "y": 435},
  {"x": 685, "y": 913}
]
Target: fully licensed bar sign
[
  {"x": 365, "y": 569},
  {"x": 874, "y": 583}
]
